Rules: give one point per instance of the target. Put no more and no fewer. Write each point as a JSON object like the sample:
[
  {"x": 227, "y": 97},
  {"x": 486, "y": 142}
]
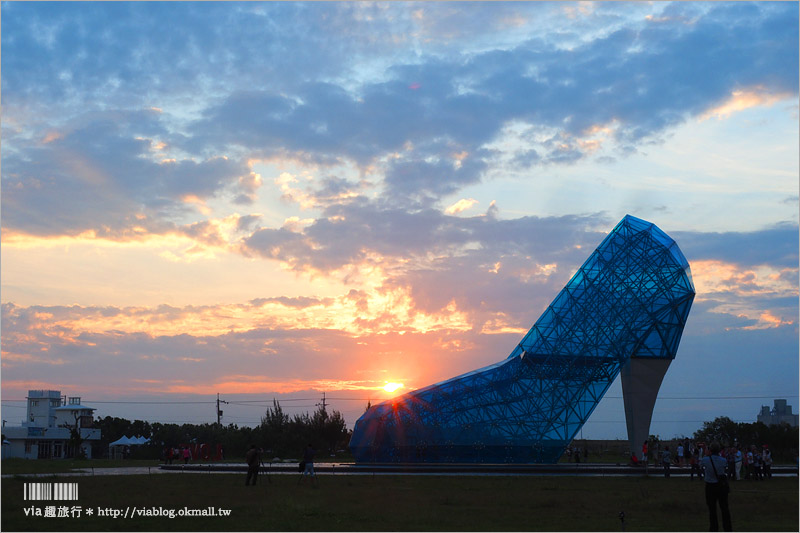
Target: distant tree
[
  {"x": 273, "y": 433},
  {"x": 75, "y": 442},
  {"x": 721, "y": 429},
  {"x": 333, "y": 432}
]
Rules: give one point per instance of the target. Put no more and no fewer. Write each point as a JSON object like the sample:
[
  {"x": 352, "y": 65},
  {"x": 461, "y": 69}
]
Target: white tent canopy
[
  {"x": 129, "y": 441},
  {"x": 117, "y": 449}
]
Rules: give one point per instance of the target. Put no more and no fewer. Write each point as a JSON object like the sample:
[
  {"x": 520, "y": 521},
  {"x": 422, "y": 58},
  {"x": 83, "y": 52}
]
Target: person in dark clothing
[
  {"x": 666, "y": 460},
  {"x": 716, "y": 488},
  {"x": 253, "y": 460},
  {"x": 308, "y": 460},
  {"x": 694, "y": 462}
]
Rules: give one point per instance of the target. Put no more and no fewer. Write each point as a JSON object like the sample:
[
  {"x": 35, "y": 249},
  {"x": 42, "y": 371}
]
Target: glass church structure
[{"x": 623, "y": 312}]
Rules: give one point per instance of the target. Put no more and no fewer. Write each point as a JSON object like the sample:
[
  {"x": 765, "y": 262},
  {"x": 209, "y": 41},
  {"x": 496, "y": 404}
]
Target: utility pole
[
  {"x": 324, "y": 404},
  {"x": 219, "y": 413}
]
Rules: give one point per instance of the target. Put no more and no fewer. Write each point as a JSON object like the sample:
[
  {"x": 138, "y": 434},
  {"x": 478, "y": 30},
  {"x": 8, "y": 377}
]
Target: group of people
[
  {"x": 743, "y": 462},
  {"x": 714, "y": 468},
  {"x": 173, "y": 453},
  {"x": 753, "y": 464},
  {"x": 254, "y": 463},
  {"x": 575, "y": 453},
  {"x": 718, "y": 467}
]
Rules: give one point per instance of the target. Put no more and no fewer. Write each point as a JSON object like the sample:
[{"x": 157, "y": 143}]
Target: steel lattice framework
[{"x": 630, "y": 299}]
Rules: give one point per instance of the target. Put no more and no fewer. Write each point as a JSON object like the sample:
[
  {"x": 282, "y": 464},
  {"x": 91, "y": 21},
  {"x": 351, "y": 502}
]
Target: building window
[
  {"x": 55, "y": 403},
  {"x": 45, "y": 449},
  {"x": 34, "y": 403}
]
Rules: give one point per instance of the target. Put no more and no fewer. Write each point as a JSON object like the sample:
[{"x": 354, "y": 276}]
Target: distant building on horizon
[
  {"x": 46, "y": 432},
  {"x": 781, "y": 412}
]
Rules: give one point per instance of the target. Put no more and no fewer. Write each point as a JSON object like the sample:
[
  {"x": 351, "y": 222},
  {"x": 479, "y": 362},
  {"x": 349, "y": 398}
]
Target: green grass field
[{"x": 406, "y": 503}]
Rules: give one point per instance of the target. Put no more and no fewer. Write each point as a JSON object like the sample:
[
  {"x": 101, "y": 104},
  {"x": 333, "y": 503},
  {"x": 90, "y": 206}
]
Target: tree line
[
  {"x": 782, "y": 439},
  {"x": 283, "y": 436},
  {"x": 278, "y": 434}
]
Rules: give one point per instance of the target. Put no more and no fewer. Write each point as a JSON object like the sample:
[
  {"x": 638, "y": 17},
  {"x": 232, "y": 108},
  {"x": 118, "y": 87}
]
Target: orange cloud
[
  {"x": 52, "y": 136},
  {"x": 579, "y": 10},
  {"x": 246, "y": 384},
  {"x": 461, "y": 205},
  {"x": 741, "y": 100},
  {"x": 500, "y": 324},
  {"x": 734, "y": 288},
  {"x": 712, "y": 277},
  {"x": 768, "y": 320},
  {"x": 198, "y": 202},
  {"x": 185, "y": 243},
  {"x": 378, "y": 311}
]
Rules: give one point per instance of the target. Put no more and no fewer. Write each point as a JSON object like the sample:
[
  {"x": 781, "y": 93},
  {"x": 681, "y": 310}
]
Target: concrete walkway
[
  {"x": 561, "y": 469},
  {"x": 122, "y": 471}
]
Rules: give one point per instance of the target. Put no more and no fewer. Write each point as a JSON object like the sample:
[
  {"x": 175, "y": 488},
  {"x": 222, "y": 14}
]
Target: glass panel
[{"x": 630, "y": 299}]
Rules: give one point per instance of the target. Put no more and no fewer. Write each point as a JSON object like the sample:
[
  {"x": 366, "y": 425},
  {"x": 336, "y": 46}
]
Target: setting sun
[{"x": 391, "y": 387}]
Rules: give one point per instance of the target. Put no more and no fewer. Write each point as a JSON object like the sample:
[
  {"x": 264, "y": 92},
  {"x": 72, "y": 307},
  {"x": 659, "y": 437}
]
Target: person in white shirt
[
  {"x": 716, "y": 488},
  {"x": 766, "y": 460},
  {"x": 738, "y": 463}
]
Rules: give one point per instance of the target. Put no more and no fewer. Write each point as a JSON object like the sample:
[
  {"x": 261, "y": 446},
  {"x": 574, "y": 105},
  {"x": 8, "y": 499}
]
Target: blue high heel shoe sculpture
[{"x": 623, "y": 312}]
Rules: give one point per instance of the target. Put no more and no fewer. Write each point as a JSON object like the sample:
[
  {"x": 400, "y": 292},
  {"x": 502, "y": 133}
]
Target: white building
[{"x": 46, "y": 432}]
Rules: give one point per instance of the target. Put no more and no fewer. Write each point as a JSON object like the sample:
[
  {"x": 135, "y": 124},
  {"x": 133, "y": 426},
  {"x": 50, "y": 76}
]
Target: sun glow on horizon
[{"x": 391, "y": 387}]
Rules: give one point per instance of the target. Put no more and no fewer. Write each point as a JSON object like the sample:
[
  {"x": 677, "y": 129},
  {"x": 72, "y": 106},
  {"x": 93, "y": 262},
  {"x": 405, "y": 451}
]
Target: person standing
[
  {"x": 730, "y": 456},
  {"x": 187, "y": 454},
  {"x": 756, "y": 463},
  {"x": 644, "y": 452},
  {"x": 695, "y": 465},
  {"x": 766, "y": 460},
  {"x": 666, "y": 459},
  {"x": 253, "y": 460},
  {"x": 680, "y": 454},
  {"x": 716, "y": 488},
  {"x": 308, "y": 459},
  {"x": 737, "y": 463},
  {"x": 748, "y": 464}
]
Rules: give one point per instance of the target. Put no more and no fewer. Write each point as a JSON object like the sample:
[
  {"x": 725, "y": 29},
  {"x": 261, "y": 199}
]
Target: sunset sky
[{"x": 275, "y": 200}]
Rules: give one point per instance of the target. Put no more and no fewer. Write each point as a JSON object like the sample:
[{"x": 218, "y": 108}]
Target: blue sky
[{"x": 280, "y": 199}]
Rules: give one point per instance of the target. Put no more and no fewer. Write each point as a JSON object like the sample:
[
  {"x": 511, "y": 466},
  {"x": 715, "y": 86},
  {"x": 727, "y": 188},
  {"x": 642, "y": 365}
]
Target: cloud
[
  {"x": 776, "y": 246},
  {"x": 350, "y": 233},
  {"x": 103, "y": 175},
  {"x": 642, "y": 79},
  {"x": 461, "y": 205},
  {"x": 743, "y": 99},
  {"x": 337, "y": 98}
]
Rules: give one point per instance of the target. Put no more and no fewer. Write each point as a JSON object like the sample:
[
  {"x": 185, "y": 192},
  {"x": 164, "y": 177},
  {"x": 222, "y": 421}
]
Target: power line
[
  {"x": 715, "y": 397},
  {"x": 130, "y": 402},
  {"x": 325, "y": 399},
  {"x": 590, "y": 421}
]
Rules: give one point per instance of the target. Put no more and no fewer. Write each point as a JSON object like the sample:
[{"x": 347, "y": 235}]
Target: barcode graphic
[{"x": 50, "y": 491}]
